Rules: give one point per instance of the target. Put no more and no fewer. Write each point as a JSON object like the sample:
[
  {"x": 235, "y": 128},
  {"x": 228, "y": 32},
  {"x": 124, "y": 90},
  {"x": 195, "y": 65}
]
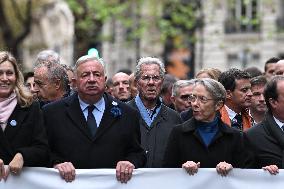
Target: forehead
[
  {"x": 280, "y": 87},
  {"x": 259, "y": 87},
  {"x": 279, "y": 66},
  {"x": 186, "y": 89},
  {"x": 6, "y": 65},
  {"x": 120, "y": 77},
  {"x": 200, "y": 89},
  {"x": 90, "y": 66},
  {"x": 150, "y": 69},
  {"x": 40, "y": 71},
  {"x": 241, "y": 83},
  {"x": 270, "y": 66}
]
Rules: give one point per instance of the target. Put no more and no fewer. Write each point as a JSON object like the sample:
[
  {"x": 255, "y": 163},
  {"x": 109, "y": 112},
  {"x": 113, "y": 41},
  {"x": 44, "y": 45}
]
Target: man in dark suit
[
  {"x": 266, "y": 140},
  {"x": 92, "y": 130}
]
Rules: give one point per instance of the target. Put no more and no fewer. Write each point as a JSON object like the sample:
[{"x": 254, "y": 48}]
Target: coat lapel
[
  {"x": 15, "y": 121},
  {"x": 76, "y": 115},
  {"x": 272, "y": 127},
  {"x": 108, "y": 118}
]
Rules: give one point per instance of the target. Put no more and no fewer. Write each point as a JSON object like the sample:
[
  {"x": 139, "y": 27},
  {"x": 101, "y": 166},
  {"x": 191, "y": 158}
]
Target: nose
[
  {"x": 249, "y": 93},
  {"x": 4, "y": 76},
  {"x": 261, "y": 97}
]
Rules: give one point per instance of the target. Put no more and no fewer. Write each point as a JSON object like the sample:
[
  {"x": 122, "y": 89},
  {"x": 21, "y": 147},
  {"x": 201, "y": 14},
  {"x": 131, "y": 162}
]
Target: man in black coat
[
  {"x": 92, "y": 130},
  {"x": 156, "y": 119},
  {"x": 266, "y": 139}
]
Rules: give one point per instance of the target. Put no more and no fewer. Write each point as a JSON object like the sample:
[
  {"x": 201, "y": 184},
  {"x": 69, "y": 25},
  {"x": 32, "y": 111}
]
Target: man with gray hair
[
  {"x": 48, "y": 55},
  {"x": 51, "y": 82},
  {"x": 181, "y": 93},
  {"x": 90, "y": 129},
  {"x": 156, "y": 119}
]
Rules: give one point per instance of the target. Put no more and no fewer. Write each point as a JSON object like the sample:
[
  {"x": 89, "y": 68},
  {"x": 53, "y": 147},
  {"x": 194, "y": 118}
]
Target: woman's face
[
  {"x": 7, "y": 79},
  {"x": 203, "y": 105}
]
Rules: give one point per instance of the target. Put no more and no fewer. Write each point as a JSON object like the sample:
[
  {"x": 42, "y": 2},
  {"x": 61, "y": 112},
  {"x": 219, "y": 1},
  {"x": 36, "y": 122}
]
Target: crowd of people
[{"x": 75, "y": 118}]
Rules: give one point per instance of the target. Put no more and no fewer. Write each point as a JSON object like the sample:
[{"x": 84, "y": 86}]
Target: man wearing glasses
[{"x": 156, "y": 120}]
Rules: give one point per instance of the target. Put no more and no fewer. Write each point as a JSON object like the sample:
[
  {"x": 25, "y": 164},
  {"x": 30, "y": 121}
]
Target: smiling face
[
  {"x": 150, "y": 82},
  {"x": 7, "y": 79},
  {"x": 90, "y": 81}
]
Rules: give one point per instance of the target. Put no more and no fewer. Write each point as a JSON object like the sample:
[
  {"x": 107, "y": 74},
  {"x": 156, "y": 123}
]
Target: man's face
[
  {"x": 270, "y": 68},
  {"x": 30, "y": 84},
  {"x": 257, "y": 101},
  {"x": 150, "y": 82},
  {"x": 45, "y": 89},
  {"x": 120, "y": 88},
  {"x": 181, "y": 100},
  {"x": 241, "y": 96},
  {"x": 279, "y": 69},
  {"x": 277, "y": 106},
  {"x": 90, "y": 80}
]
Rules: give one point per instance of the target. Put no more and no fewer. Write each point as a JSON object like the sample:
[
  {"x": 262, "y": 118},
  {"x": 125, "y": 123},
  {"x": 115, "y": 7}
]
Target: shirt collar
[
  {"x": 100, "y": 105},
  {"x": 231, "y": 113},
  {"x": 278, "y": 122}
]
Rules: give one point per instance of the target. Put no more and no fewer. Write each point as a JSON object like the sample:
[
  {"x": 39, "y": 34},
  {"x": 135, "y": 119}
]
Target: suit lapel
[
  {"x": 108, "y": 119},
  {"x": 76, "y": 115}
]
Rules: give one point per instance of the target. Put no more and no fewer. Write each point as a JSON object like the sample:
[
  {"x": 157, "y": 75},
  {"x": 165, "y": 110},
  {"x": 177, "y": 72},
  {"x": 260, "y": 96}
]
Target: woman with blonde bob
[{"x": 23, "y": 140}]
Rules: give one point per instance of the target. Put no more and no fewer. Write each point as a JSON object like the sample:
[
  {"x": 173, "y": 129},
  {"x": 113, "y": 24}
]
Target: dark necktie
[
  {"x": 91, "y": 121},
  {"x": 237, "y": 122}
]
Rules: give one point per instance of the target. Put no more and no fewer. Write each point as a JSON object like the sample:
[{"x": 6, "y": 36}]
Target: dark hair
[
  {"x": 125, "y": 70},
  {"x": 272, "y": 60},
  {"x": 167, "y": 84},
  {"x": 253, "y": 71},
  {"x": 259, "y": 80},
  {"x": 27, "y": 75},
  {"x": 270, "y": 90},
  {"x": 228, "y": 78}
]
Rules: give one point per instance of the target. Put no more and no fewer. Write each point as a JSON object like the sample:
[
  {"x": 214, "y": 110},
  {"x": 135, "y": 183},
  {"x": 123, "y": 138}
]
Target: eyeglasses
[
  {"x": 202, "y": 99},
  {"x": 147, "y": 78},
  {"x": 185, "y": 97}
]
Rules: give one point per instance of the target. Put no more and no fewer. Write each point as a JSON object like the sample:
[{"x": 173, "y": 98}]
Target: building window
[{"x": 243, "y": 16}]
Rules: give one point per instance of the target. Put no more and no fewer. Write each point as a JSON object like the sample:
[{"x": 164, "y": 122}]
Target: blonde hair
[
  {"x": 213, "y": 73},
  {"x": 24, "y": 97}
]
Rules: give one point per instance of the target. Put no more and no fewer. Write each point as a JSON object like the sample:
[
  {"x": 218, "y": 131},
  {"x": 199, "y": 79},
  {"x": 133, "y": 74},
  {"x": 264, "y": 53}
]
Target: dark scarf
[{"x": 207, "y": 130}]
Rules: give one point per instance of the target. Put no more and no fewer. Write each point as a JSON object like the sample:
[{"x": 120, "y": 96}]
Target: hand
[
  {"x": 124, "y": 171},
  {"x": 66, "y": 170},
  {"x": 3, "y": 172},
  {"x": 191, "y": 167},
  {"x": 16, "y": 165},
  {"x": 223, "y": 168},
  {"x": 272, "y": 169}
]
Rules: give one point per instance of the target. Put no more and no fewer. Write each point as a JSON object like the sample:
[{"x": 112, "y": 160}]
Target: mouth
[{"x": 4, "y": 86}]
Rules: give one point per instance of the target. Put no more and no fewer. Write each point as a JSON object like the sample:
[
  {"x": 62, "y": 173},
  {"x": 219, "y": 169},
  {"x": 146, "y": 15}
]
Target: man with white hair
[{"x": 156, "y": 119}]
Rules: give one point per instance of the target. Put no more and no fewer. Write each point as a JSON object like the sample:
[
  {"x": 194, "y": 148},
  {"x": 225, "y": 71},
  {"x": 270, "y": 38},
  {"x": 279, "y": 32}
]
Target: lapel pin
[
  {"x": 13, "y": 123},
  {"x": 114, "y": 103}
]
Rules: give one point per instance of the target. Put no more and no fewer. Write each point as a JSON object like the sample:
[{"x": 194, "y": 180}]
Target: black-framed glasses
[
  {"x": 202, "y": 99},
  {"x": 185, "y": 97},
  {"x": 147, "y": 78}
]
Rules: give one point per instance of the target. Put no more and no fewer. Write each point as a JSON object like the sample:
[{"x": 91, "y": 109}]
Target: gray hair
[
  {"x": 86, "y": 58},
  {"x": 56, "y": 72},
  {"x": 181, "y": 83},
  {"x": 149, "y": 60},
  {"x": 215, "y": 88},
  {"x": 48, "y": 55}
]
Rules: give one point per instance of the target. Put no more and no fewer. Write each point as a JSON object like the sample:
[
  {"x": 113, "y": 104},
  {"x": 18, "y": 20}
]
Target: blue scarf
[
  {"x": 208, "y": 130},
  {"x": 144, "y": 113}
]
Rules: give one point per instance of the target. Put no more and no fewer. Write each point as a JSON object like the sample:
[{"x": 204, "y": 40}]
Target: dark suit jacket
[
  {"x": 27, "y": 136},
  {"x": 185, "y": 144},
  {"x": 186, "y": 115},
  {"x": 265, "y": 141},
  {"x": 154, "y": 138},
  {"x": 116, "y": 139}
]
